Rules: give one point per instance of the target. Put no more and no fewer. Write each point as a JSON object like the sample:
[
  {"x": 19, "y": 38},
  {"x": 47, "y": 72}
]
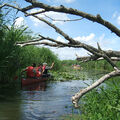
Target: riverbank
[{"x": 100, "y": 104}]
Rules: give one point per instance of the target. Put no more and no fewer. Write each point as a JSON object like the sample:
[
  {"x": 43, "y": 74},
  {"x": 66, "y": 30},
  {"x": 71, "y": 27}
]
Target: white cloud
[
  {"x": 69, "y": 53},
  {"x": 107, "y": 43},
  {"x": 118, "y": 20},
  {"x": 85, "y": 38},
  {"x": 90, "y": 39},
  {"x": 54, "y": 15},
  {"x": 59, "y": 38},
  {"x": 115, "y": 14},
  {"x": 37, "y": 22},
  {"x": 19, "y": 22},
  {"x": 101, "y": 37}
]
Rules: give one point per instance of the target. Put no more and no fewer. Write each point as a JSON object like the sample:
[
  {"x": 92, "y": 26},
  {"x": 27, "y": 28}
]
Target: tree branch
[
  {"x": 72, "y": 11},
  {"x": 39, "y": 43},
  {"x": 35, "y": 13},
  {"x": 62, "y": 20},
  {"x": 78, "y": 95},
  {"x": 27, "y": 8}
]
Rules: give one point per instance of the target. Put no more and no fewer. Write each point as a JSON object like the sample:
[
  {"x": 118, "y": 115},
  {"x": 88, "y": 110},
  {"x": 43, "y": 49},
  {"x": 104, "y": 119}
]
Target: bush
[
  {"x": 103, "y": 104},
  {"x": 33, "y": 54}
]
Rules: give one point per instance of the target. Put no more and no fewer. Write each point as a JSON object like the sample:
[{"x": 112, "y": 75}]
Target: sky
[{"x": 83, "y": 30}]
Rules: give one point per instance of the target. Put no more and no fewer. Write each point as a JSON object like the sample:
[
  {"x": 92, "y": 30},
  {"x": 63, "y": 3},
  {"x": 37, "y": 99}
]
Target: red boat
[{"x": 28, "y": 81}]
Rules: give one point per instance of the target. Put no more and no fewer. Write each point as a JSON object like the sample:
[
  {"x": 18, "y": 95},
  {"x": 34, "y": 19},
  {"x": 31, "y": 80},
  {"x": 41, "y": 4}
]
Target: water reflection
[
  {"x": 35, "y": 87},
  {"x": 10, "y": 104}
]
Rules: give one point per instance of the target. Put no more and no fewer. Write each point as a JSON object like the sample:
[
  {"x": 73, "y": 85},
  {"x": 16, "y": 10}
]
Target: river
[{"x": 43, "y": 101}]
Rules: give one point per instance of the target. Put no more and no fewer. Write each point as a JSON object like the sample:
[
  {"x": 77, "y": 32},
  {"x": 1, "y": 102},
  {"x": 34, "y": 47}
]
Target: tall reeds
[{"x": 14, "y": 58}]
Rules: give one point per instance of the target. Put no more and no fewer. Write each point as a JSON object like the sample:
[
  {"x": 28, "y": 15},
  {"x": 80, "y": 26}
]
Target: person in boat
[
  {"x": 45, "y": 69},
  {"x": 39, "y": 70},
  {"x": 30, "y": 71},
  {"x": 40, "y": 67}
]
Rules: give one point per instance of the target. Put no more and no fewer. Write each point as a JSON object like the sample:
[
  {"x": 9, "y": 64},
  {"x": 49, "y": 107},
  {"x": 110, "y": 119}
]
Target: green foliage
[
  {"x": 103, "y": 103},
  {"x": 69, "y": 74},
  {"x": 97, "y": 65},
  {"x": 33, "y": 54},
  {"x": 14, "y": 58},
  {"x": 9, "y": 52},
  {"x": 69, "y": 62}
]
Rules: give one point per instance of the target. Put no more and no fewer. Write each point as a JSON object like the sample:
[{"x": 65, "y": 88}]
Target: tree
[{"x": 96, "y": 53}]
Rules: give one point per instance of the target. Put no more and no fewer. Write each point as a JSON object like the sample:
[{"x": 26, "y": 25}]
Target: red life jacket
[
  {"x": 30, "y": 72},
  {"x": 38, "y": 73},
  {"x": 43, "y": 68}
]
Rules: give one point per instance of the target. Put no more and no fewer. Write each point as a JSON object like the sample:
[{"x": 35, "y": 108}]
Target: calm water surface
[{"x": 44, "y": 101}]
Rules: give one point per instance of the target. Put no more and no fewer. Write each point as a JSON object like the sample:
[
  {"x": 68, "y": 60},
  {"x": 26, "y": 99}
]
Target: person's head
[
  {"x": 34, "y": 64},
  {"x": 44, "y": 64}
]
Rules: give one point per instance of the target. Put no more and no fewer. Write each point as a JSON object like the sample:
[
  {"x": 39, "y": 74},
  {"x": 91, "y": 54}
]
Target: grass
[
  {"x": 102, "y": 103},
  {"x": 72, "y": 117}
]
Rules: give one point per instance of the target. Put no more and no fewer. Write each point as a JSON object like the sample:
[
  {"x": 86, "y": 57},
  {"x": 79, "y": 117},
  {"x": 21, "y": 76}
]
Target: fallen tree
[{"x": 96, "y": 53}]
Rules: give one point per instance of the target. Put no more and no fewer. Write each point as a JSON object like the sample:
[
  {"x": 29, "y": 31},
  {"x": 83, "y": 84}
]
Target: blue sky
[{"x": 83, "y": 30}]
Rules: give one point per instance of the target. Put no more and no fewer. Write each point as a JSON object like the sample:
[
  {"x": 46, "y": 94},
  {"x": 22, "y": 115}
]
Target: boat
[
  {"x": 76, "y": 67},
  {"x": 28, "y": 81}
]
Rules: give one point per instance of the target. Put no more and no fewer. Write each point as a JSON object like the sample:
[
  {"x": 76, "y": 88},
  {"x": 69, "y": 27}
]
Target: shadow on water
[
  {"x": 42, "y": 101},
  {"x": 10, "y": 104}
]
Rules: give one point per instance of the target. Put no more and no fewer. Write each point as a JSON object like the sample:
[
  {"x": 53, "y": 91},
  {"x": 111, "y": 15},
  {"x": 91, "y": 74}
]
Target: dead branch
[
  {"x": 27, "y": 8},
  {"x": 72, "y": 11},
  {"x": 71, "y": 41},
  {"x": 29, "y": 41},
  {"x": 35, "y": 13},
  {"x": 62, "y": 20},
  {"x": 77, "y": 96},
  {"x": 39, "y": 43}
]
